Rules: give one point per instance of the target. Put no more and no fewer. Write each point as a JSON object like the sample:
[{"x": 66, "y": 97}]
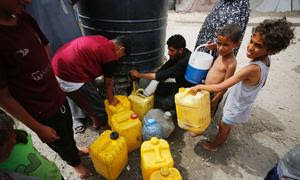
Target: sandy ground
[{"x": 252, "y": 148}]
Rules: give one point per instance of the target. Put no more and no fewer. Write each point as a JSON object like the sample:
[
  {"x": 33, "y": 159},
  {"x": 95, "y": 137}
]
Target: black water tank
[{"x": 143, "y": 20}]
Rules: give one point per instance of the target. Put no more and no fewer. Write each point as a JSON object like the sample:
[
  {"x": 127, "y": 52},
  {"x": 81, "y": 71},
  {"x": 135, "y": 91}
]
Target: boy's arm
[
  {"x": 243, "y": 74},
  {"x": 13, "y": 107},
  {"x": 150, "y": 76},
  {"x": 109, "y": 85},
  {"x": 135, "y": 74},
  {"x": 218, "y": 96}
]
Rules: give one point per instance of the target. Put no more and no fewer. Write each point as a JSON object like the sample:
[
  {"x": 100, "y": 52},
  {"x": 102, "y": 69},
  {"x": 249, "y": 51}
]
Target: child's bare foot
[
  {"x": 82, "y": 171},
  {"x": 83, "y": 151},
  {"x": 192, "y": 134},
  {"x": 209, "y": 146}
]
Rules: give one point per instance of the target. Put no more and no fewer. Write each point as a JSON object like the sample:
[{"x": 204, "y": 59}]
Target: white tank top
[{"x": 241, "y": 97}]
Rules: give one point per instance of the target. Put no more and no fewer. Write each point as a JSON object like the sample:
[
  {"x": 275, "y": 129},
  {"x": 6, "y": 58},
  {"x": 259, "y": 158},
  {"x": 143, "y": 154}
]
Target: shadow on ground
[{"x": 242, "y": 150}]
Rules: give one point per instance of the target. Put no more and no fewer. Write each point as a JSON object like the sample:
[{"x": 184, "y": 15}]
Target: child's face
[
  {"x": 256, "y": 48},
  {"x": 7, "y": 147},
  {"x": 225, "y": 45}
]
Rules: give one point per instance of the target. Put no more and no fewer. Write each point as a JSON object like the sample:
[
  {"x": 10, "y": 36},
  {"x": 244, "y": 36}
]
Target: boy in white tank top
[{"x": 268, "y": 38}]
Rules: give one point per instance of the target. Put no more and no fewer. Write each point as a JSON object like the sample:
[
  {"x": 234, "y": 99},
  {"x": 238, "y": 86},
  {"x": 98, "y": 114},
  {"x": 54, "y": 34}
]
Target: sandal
[
  {"x": 207, "y": 146},
  {"x": 79, "y": 126},
  {"x": 79, "y": 129}
]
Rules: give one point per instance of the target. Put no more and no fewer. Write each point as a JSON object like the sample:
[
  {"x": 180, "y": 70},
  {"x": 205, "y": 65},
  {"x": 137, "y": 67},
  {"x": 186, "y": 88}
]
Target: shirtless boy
[{"x": 228, "y": 38}]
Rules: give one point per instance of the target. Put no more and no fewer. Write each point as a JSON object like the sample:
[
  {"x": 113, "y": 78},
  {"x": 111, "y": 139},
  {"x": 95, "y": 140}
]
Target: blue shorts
[{"x": 228, "y": 121}]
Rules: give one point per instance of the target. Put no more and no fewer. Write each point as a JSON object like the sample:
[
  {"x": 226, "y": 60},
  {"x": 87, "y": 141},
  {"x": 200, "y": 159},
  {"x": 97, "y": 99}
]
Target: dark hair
[
  {"x": 176, "y": 41},
  {"x": 125, "y": 42},
  {"x": 276, "y": 33},
  {"x": 7, "y": 129},
  {"x": 233, "y": 31}
]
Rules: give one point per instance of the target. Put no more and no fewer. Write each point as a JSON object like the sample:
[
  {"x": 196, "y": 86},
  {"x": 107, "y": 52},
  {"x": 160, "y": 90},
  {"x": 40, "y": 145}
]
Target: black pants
[
  {"x": 65, "y": 147},
  {"x": 164, "y": 96},
  {"x": 89, "y": 100}
]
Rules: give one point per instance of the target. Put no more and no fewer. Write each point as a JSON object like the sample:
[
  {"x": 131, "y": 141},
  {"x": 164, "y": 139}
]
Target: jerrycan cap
[
  {"x": 151, "y": 121},
  {"x": 114, "y": 135},
  {"x": 164, "y": 171},
  {"x": 154, "y": 140},
  {"x": 133, "y": 116},
  {"x": 181, "y": 90},
  {"x": 167, "y": 114}
]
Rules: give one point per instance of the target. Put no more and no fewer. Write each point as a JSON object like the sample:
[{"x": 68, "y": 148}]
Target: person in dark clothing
[
  {"x": 175, "y": 67},
  {"x": 288, "y": 167}
]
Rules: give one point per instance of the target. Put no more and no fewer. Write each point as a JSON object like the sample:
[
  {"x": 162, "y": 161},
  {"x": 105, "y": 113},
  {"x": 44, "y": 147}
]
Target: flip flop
[
  {"x": 78, "y": 126},
  {"x": 208, "y": 149},
  {"x": 79, "y": 129}
]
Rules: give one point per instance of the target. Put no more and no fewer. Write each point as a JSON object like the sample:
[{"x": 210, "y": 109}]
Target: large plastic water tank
[{"x": 143, "y": 20}]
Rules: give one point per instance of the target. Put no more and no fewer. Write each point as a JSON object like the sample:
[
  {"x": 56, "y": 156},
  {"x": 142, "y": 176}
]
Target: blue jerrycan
[{"x": 198, "y": 67}]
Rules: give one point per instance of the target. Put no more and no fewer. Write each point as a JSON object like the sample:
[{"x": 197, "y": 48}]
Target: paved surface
[{"x": 253, "y": 148}]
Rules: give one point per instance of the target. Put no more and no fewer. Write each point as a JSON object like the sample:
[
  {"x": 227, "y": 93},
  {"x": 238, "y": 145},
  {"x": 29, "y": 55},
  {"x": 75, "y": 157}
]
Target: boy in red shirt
[{"x": 81, "y": 61}]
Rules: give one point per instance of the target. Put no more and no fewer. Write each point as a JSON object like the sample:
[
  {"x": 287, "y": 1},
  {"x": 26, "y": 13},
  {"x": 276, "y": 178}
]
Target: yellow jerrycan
[
  {"x": 128, "y": 125},
  {"x": 122, "y": 106},
  {"x": 166, "y": 173},
  {"x": 155, "y": 154},
  {"x": 140, "y": 103},
  {"x": 109, "y": 154},
  {"x": 193, "y": 110}
]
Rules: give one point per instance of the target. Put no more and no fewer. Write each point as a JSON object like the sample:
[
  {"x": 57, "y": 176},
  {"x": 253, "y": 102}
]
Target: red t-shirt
[
  {"x": 83, "y": 59},
  {"x": 26, "y": 70}
]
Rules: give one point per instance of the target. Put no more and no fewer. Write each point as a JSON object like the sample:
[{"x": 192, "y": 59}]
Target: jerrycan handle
[
  {"x": 187, "y": 91},
  {"x": 137, "y": 91},
  {"x": 112, "y": 107},
  {"x": 158, "y": 156},
  {"x": 202, "y": 45}
]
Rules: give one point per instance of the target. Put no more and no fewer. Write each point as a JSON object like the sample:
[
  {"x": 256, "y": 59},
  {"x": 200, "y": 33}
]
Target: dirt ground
[{"x": 252, "y": 148}]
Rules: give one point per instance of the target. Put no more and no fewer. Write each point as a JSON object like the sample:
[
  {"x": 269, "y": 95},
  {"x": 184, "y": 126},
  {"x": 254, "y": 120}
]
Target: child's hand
[
  {"x": 47, "y": 134},
  {"x": 114, "y": 102},
  {"x": 195, "y": 89},
  {"x": 211, "y": 45}
]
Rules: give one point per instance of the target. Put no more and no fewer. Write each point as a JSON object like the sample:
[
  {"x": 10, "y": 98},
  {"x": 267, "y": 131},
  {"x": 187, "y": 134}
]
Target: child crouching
[{"x": 17, "y": 153}]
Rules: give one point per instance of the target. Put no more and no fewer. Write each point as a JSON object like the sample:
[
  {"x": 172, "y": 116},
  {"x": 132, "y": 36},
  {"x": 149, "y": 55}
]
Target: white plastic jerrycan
[
  {"x": 198, "y": 67},
  {"x": 150, "y": 89}
]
